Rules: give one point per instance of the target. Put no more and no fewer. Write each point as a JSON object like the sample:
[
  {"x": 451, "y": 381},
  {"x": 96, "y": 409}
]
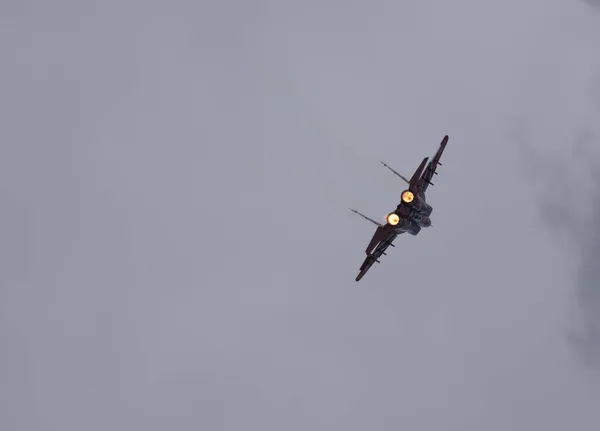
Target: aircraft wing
[
  {"x": 430, "y": 170},
  {"x": 385, "y": 234},
  {"x": 382, "y": 239}
]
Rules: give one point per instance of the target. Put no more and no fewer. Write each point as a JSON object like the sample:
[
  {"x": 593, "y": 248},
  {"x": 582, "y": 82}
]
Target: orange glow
[
  {"x": 407, "y": 196},
  {"x": 393, "y": 219}
]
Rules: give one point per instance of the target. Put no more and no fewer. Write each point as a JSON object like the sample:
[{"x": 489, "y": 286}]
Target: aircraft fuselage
[
  {"x": 414, "y": 217},
  {"x": 410, "y": 216}
]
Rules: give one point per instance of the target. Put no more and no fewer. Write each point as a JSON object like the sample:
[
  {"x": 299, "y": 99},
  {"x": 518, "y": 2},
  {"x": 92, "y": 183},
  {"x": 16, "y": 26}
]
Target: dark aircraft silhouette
[{"x": 412, "y": 214}]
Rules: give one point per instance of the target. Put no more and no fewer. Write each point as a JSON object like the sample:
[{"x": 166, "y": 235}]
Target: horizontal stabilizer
[
  {"x": 365, "y": 217},
  {"x": 401, "y": 176}
]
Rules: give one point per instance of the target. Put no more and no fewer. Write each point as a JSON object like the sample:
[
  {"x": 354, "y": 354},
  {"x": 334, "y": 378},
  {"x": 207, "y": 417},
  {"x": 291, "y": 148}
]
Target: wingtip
[{"x": 360, "y": 275}]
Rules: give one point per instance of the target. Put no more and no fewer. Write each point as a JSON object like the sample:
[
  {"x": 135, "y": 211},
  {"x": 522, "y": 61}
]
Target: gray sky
[{"x": 176, "y": 247}]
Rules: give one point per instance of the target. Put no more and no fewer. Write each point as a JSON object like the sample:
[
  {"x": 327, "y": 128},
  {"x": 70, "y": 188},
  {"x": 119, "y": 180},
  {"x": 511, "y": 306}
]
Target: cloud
[
  {"x": 593, "y": 3},
  {"x": 568, "y": 203}
]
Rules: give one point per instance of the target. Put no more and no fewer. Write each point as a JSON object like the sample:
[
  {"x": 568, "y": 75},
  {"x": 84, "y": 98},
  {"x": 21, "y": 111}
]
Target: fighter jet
[{"x": 411, "y": 215}]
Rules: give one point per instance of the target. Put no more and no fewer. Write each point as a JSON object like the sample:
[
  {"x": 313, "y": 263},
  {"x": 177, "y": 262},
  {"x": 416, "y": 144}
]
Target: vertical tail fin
[
  {"x": 431, "y": 169},
  {"x": 415, "y": 181}
]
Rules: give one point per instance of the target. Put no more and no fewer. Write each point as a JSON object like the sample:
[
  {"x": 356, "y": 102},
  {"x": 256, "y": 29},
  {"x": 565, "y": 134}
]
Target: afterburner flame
[
  {"x": 407, "y": 196},
  {"x": 393, "y": 219}
]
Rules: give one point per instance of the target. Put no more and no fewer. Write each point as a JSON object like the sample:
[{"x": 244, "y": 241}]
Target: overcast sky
[{"x": 176, "y": 247}]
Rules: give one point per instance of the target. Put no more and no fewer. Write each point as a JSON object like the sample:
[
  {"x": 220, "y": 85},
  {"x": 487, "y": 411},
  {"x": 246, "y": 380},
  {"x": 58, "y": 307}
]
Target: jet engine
[
  {"x": 406, "y": 224},
  {"x": 393, "y": 219},
  {"x": 414, "y": 201}
]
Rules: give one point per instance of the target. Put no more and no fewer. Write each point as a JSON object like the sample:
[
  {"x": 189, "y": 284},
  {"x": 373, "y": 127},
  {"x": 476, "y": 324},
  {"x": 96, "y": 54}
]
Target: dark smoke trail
[
  {"x": 588, "y": 280},
  {"x": 593, "y": 3},
  {"x": 569, "y": 207}
]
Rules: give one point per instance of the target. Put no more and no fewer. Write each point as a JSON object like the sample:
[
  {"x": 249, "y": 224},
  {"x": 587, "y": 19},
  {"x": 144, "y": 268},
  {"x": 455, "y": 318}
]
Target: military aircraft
[{"x": 411, "y": 215}]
